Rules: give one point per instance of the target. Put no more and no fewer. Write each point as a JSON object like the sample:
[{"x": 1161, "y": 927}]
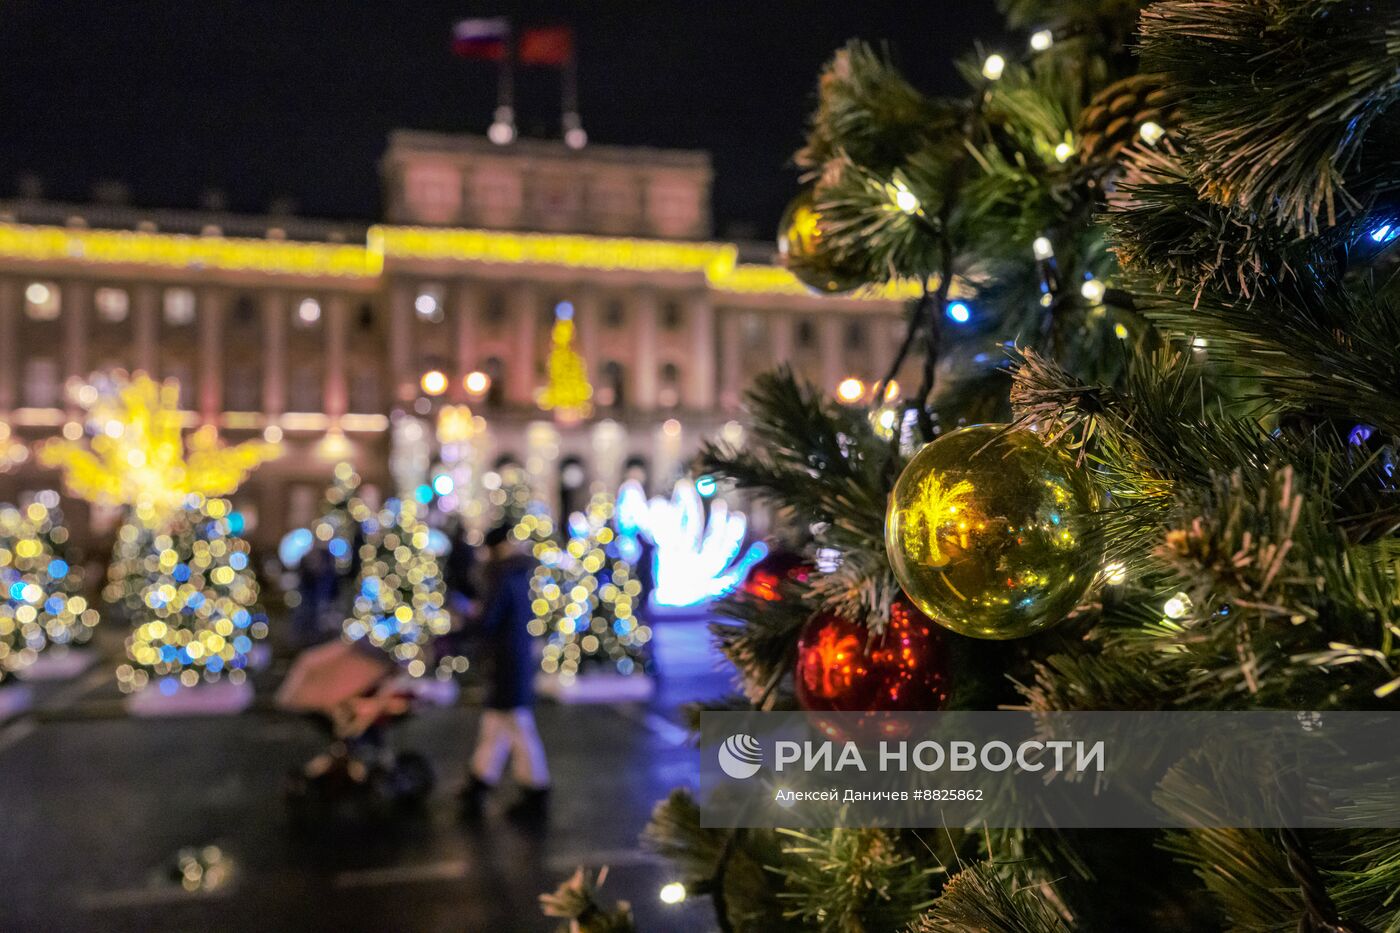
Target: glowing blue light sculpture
[{"x": 696, "y": 561}]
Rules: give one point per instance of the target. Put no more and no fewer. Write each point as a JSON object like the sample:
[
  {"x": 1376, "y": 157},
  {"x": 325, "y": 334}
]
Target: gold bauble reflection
[
  {"x": 800, "y": 246},
  {"x": 988, "y": 532}
]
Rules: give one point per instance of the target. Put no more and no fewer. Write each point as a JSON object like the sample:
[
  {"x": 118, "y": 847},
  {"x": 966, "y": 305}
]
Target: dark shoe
[
  {"x": 532, "y": 807},
  {"x": 472, "y": 797}
]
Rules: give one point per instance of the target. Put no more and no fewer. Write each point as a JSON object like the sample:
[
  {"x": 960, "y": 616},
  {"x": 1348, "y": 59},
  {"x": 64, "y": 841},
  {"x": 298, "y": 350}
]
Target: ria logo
[{"x": 740, "y": 756}]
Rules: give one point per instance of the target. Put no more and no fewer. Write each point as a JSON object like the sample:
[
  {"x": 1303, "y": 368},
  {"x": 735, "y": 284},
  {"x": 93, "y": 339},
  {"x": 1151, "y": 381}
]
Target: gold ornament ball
[
  {"x": 800, "y": 246},
  {"x": 988, "y": 532}
]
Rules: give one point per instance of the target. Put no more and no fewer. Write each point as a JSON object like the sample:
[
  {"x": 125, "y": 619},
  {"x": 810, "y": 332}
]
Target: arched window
[
  {"x": 612, "y": 392},
  {"x": 668, "y": 394},
  {"x": 495, "y": 370}
]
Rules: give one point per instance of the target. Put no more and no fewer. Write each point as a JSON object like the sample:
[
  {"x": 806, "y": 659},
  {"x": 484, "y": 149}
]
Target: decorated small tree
[
  {"x": 400, "y": 598},
  {"x": 41, "y": 592},
  {"x": 342, "y": 511},
  {"x": 586, "y": 599},
  {"x": 179, "y": 570},
  {"x": 567, "y": 393},
  {"x": 191, "y": 592}
]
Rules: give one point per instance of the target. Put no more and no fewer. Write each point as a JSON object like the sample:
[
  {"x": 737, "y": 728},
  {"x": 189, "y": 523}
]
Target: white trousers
[{"x": 510, "y": 735}]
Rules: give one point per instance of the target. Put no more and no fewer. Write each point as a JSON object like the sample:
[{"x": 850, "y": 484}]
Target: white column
[
  {"x": 644, "y": 311},
  {"x": 466, "y": 308},
  {"x": 700, "y": 368},
  {"x": 780, "y": 337},
  {"x": 145, "y": 328},
  {"x": 274, "y": 369},
  {"x": 524, "y": 310},
  {"x": 210, "y": 378},
  {"x": 10, "y": 293},
  {"x": 587, "y": 323},
  {"x": 77, "y": 298},
  {"x": 731, "y": 379},
  {"x": 832, "y": 356},
  {"x": 335, "y": 390},
  {"x": 400, "y": 329}
]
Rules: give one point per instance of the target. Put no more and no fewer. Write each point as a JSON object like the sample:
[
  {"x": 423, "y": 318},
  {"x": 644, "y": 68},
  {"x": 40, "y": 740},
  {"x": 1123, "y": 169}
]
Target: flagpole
[
  {"x": 502, "y": 131},
  {"x": 574, "y": 135}
]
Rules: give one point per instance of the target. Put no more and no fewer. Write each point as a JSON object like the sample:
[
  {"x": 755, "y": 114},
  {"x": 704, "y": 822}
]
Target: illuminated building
[{"x": 320, "y": 334}]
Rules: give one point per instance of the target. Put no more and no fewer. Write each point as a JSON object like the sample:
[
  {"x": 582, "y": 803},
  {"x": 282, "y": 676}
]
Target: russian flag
[{"x": 483, "y": 39}]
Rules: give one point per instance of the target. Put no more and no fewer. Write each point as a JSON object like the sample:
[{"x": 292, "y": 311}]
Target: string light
[
  {"x": 1042, "y": 39},
  {"x": 1042, "y": 248},
  {"x": 1063, "y": 151},
  {"x": 1093, "y": 290},
  {"x": 1115, "y": 574},
  {"x": 1177, "y": 606},
  {"x": 993, "y": 67},
  {"x": 850, "y": 389},
  {"x": 672, "y": 893},
  {"x": 1151, "y": 133},
  {"x": 959, "y": 312}
]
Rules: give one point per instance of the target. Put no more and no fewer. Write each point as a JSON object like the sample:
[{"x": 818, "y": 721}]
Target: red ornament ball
[
  {"x": 905, "y": 668},
  {"x": 766, "y": 577}
]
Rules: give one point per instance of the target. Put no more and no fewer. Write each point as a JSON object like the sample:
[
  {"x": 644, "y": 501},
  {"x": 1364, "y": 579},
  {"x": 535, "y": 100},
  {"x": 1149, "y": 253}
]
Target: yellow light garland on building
[{"x": 178, "y": 251}]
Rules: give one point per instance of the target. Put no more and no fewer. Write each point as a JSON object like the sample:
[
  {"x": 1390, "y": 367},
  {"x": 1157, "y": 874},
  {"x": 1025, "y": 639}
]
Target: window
[
  {"x": 614, "y": 315},
  {"x": 42, "y": 301},
  {"x": 365, "y": 320},
  {"x": 41, "y": 388},
  {"x": 855, "y": 335},
  {"x": 245, "y": 314},
  {"x": 183, "y": 374},
  {"x": 806, "y": 334},
  {"x": 613, "y": 391},
  {"x": 305, "y": 390},
  {"x": 364, "y": 392},
  {"x": 672, "y": 316},
  {"x": 179, "y": 306},
  {"x": 428, "y": 304},
  {"x": 242, "y": 388},
  {"x": 669, "y": 393},
  {"x": 495, "y": 371},
  {"x": 112, "y": 304},
  {"x": 495, "y": 311},
  {"x": 308, "y": 313}
]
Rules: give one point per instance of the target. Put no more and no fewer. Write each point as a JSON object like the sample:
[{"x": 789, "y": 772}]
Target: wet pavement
[{"x": 96, "y": 807}]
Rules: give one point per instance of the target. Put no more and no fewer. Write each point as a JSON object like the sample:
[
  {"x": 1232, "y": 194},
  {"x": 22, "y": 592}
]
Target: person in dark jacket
[{"x": 507, "y": 732}]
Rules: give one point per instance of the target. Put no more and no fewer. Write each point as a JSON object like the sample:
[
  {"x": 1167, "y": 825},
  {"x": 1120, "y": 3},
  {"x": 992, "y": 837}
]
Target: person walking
[{"x": 507, "y": 732}]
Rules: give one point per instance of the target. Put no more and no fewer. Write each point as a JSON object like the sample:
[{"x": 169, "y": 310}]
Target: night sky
[{"x": 269, "y": 99}]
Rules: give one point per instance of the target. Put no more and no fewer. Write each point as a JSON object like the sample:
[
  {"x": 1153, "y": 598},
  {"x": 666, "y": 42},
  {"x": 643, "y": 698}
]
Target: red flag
[{"x": 546, "y": 45}]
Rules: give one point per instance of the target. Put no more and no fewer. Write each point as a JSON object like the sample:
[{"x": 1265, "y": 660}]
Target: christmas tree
[
  {"x": 43, "y": 602},
  {"x": 567, "y": 392},
  {"x": 586, "y": 598},
  {"x": 189, "y": 588},
  {"x": 179, "y": 570},
  {"x": 400, "y": 597},
  {"x": 1189, "y": 248},
  {"x": 341, "y": 514}
]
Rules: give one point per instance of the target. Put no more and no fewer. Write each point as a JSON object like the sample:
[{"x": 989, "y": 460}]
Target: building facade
[{"x": 426, "y": 337}]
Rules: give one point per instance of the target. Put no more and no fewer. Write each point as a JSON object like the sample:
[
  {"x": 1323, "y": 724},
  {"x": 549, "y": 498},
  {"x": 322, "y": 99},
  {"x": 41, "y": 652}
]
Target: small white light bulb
[
  {"x": 1042, "y": 39},
  {"x": 1093, "y": 290},
  {"x": 672, "y": 893},
  {"x": 1151, "y": 132},
  {"x": 1042, "y": 248},
  {"x": 993, "y": 67}
]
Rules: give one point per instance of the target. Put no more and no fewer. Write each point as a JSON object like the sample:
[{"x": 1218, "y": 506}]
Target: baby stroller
[{"x": 355, "y": 692}]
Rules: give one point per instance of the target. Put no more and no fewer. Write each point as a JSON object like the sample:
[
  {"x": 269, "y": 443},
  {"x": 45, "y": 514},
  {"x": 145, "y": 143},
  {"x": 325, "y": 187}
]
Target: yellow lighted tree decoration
[
  {"x": 567, "y": 393},
  {"x": 135, "y": 453}
]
